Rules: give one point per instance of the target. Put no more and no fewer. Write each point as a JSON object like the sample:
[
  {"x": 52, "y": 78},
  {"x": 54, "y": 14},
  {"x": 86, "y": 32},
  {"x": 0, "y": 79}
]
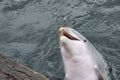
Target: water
[{"x": 28, "y": 31}]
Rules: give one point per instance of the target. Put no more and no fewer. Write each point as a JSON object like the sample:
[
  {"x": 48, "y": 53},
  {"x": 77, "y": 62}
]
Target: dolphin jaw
[{"x": 64, "y": 32}]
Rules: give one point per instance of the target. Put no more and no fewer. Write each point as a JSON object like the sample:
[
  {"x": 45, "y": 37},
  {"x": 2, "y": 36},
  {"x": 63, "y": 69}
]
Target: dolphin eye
[{"x": 85, "y": 40}]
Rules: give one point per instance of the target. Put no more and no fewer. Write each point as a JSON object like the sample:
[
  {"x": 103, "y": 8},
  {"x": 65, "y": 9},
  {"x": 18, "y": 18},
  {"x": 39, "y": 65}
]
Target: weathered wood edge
[{"x": 12, "y": 70}]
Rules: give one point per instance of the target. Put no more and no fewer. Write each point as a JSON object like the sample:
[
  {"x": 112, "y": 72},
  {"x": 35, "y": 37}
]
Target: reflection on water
[{"x": 28, "y": 31}]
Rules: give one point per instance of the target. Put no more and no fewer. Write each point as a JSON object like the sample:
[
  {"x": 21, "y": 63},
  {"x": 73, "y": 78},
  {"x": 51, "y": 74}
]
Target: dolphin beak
[{"x": 64, "y": 32}]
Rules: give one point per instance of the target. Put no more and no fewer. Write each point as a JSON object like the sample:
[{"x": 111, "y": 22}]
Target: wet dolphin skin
[{"x": 81, "y": 60}]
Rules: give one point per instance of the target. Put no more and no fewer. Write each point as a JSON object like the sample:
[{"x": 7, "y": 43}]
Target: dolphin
[{"x": 81, "y": 60}]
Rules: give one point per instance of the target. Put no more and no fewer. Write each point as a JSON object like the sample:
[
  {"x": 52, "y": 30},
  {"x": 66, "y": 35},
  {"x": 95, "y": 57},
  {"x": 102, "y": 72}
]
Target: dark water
[{"x": 28, "y": 31}]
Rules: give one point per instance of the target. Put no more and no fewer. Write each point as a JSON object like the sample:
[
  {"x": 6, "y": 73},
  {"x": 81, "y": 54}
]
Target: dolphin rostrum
[{"x": 81, "y": 60}]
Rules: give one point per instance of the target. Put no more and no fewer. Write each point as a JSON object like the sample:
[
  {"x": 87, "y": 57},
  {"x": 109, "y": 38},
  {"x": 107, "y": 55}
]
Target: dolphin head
[
  {"x": 71, "y": 40},
  {"x": 80, "y": 57}
]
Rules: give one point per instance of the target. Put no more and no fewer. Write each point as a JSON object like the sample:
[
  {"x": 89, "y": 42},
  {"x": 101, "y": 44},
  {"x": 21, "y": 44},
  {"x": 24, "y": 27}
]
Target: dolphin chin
[{"x": 81, "y": 60}]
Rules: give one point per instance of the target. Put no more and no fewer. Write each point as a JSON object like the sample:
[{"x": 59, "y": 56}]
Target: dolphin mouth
[{"x": 64, "y": 32}]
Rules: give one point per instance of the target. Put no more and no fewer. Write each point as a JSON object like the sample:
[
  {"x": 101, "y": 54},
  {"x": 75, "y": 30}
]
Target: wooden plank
[{"x": 10, "y": 70}]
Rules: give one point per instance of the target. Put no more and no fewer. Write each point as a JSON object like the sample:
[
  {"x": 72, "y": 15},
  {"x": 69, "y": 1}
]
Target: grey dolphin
[{"x": 81, "y": 60}]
